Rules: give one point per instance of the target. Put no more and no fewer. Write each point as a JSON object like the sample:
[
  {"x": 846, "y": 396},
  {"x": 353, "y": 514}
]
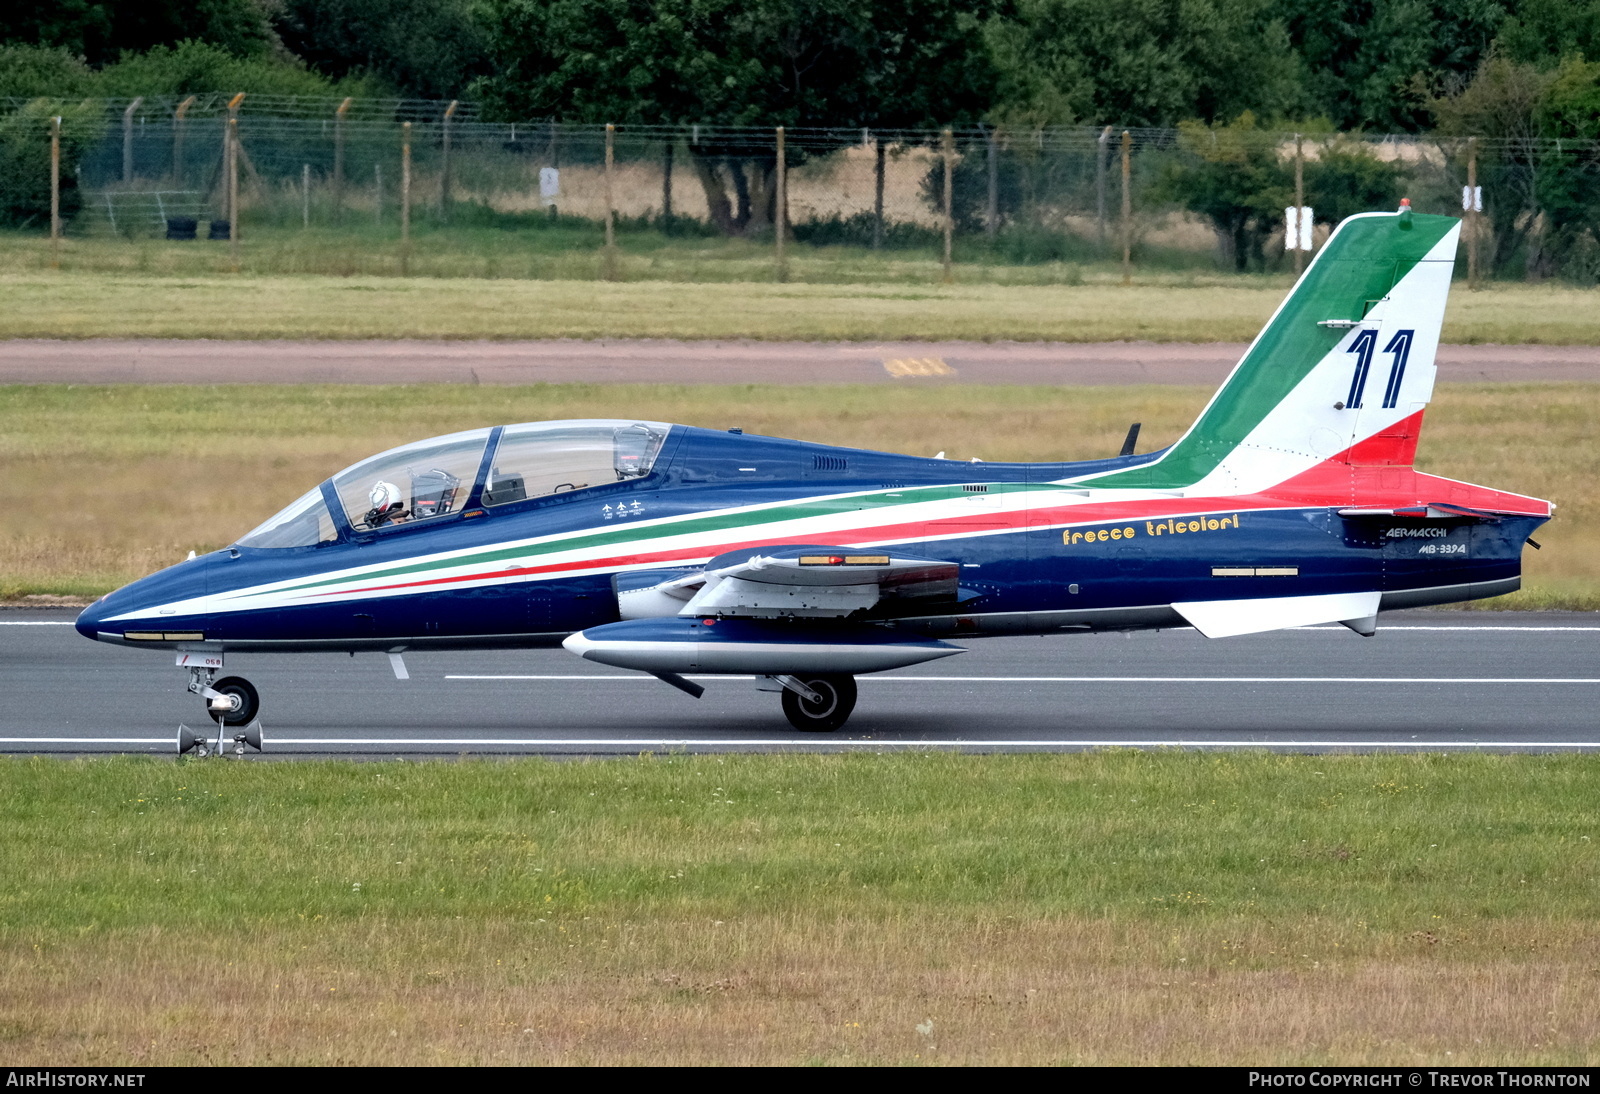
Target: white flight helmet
[{"x": 385, "y": 495}]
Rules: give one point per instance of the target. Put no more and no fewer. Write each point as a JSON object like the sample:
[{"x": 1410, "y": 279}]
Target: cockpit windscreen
[
  {"x": 413, "y": 482},
  {"x": 302, "y": 524}
]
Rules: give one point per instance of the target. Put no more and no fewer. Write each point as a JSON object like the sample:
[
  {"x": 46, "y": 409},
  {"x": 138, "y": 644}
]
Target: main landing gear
[{"x": 817, "y": 704}]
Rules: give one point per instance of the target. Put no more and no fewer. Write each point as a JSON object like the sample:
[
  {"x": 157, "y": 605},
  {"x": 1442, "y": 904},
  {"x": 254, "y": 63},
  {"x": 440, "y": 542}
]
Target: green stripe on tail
[{"x": 1361, "y": 262}]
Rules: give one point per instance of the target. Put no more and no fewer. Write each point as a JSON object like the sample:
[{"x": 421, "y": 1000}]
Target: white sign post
[{"x": 1297, "y": 226}]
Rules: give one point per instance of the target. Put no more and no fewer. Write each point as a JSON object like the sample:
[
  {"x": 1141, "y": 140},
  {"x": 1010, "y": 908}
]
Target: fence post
[
  {"x": 666, "y": 181},
  {"x": 305, "y": 195},
  {"x": 127, "y": 139},
  {"x": 444, "y": 174},
  {"x": 55, "y": 192},
  {"x": 1127, "y": 208},
  {"x": 1101, "y": 156},
  {"x": 230, "y": 167},
  {"x": 405, "y": 199},
  {"x": 949, "y": 143},
  {"x": 992, "y": 216},
  {"x": 233, "y": 191},
  {"x": 555, "y": 164},
  {"x": 780, "y": 213},
  {"x": 1471, "y": 203},
  {"x": 1299, "y": 202},
  {"x": 179, "y": 123},
  {"x": 338, "y": 160},
  {"x": 610, "y": 261},
  {"x": 881, "y": 150}
]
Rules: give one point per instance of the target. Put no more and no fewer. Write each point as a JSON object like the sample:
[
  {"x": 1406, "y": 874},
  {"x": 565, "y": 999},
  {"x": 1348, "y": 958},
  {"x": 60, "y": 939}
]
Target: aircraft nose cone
[{"x": 88, "y": 623}]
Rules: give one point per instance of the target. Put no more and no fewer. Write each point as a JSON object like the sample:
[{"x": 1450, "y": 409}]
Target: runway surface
[
  {"x": 1429, "y": 680},
  {"x": 169, "y": 361}
]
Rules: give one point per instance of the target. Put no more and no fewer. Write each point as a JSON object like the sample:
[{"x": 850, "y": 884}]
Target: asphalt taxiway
[
  {"x": 1445, "y": 681},
  {"x": 665, "y": 361}
]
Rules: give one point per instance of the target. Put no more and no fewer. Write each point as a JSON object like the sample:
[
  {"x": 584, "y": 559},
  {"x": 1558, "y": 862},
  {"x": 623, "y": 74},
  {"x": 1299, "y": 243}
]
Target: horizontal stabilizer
[
  {"x": 1434, "y": 511},
  {"x": 1226, "y": 618}
]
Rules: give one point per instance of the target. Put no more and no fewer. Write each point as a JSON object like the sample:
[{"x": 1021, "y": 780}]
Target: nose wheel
[
  {"x": 819, "y": 704},
  {"x": 233, "y": 702}
]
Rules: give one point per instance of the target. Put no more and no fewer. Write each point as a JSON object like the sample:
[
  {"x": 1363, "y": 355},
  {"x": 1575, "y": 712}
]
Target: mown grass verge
[
  {"x": 111, "y": 483},
  {"x": 1159, "y": 307},
  {"x": 573, "y": 249},
  {"x": 1096, "y": 908}
]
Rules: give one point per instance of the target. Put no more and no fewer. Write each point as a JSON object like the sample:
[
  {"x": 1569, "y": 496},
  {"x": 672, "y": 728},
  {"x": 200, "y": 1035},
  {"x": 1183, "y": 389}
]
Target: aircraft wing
[{"x": 788, "y": 580}]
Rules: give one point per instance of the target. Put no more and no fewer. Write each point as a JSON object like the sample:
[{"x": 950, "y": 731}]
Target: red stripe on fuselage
[{"x": 1369, "y": 473}]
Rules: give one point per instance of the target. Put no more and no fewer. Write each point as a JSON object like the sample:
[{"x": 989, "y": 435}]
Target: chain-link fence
[{"x": 393, "y": 186}]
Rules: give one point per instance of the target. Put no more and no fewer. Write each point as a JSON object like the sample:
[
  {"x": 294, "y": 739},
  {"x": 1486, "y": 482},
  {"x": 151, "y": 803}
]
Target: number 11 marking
[
  {"x": 1400, "y": 346},
  {"x": 1362, "y": 347}
]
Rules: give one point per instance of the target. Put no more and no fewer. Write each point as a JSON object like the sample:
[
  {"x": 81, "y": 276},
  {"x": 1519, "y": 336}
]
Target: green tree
[
  {"x": 430, "y": 49},
  {"x": 1235, "y": 177},
  {"x": 1501, "y": 107},
  {"x": 1346, "y": 178},
  {"x": 1542, "y": 32},
  {"x": 1141, "y": 62},
  {"x": 30, "y": 71},
  {"x": 25, "y": 159},
  {"x": 190, "y": 68},
  {"x": 101, "y": 31},
  {"x": 1568, "y": 178},
  {"x": 1369, "y": 63},
  {"x": 821, "y": 63}
]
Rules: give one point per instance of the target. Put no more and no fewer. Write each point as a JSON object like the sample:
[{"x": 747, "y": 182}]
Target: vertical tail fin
[{"x": 1342, "y": 370}]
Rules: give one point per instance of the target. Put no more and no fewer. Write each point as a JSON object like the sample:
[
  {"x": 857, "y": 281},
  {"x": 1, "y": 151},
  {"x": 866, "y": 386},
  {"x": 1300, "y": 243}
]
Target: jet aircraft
[{"x": 1293, "y": 500}]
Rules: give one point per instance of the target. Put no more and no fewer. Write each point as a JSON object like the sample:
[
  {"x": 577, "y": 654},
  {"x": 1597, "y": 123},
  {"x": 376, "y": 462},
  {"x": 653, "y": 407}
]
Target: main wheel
[
  {"x": 246, "y": 702},
  {"x": 837, "y": 698}
]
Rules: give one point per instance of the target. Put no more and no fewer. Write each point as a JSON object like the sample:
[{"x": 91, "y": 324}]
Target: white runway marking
[
  {"x": 1383, "y": 629},
  {"x": 1108, "y": 679},
  {"x": 403, "y": 744}
]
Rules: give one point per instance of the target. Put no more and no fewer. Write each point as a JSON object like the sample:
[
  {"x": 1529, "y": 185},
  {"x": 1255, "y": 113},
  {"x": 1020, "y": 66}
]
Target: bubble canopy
[{"x": 431, "y": 479}]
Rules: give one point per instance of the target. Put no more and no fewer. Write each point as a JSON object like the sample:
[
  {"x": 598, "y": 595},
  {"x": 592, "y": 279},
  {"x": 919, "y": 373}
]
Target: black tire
[
  {"x": 838, "y": 700},
  {"x": 249, "y": 701}
]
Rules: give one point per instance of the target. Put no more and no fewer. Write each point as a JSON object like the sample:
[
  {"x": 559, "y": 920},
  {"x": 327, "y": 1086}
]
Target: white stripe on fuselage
[{"x": 849, "y": 527}]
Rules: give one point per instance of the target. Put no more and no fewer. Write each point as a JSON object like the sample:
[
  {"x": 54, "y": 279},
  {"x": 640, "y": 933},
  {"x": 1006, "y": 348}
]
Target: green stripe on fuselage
[
  {"x": 1362, "y": 262},
  {"x": 718, "y": 521}
]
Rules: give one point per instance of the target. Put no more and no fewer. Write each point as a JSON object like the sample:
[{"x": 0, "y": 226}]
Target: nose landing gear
[
  {"x": 235, "y": 701},
  {"x": 231, "y": 702}
]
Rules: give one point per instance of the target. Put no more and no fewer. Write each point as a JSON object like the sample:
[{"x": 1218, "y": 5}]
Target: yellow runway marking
[{"x": 901, "y": 367}]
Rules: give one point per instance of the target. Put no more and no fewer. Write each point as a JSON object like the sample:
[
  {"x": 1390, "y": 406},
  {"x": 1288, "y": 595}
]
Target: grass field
[
  {"x": 531, "y": 249},
  {"x": 111, "y": 483},
  {"x": 1104, "y": 908},
  {"x": 1092, "y": 307}
]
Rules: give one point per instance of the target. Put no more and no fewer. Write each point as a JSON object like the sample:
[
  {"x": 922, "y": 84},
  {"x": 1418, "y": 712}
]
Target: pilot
[{"x": 386, "y": 505}]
